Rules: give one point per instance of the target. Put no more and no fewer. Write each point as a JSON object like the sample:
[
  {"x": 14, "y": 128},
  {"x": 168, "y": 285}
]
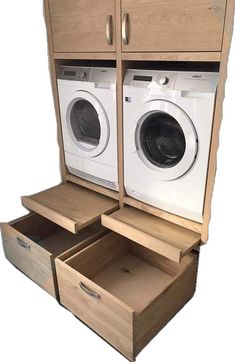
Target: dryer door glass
[
  {"x": 85, "y": 123},
  {"x": 162, "y": 140}
]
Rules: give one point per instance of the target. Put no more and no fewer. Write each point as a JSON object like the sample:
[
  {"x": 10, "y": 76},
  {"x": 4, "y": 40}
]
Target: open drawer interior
[
  {"x": 71, "y": 206},
  {"x": 161, "y": 236},
  {"x": 130, "y": 272},
  {"x": 54, "y": 238},
  {"x": 32, "y": 242},
  {"x": 123, "y": 291}
]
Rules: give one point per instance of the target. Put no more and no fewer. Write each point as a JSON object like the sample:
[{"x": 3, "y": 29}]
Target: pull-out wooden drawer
[
  {"x": 123, "y": 291},
  {"x": 71, "y": 206},
  {"x": 32, "y": 242},
  {"x": 161, "y": 236}
]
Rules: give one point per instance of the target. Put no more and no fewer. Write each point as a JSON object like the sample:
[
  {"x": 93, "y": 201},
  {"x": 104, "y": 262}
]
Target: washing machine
[
  {"x": 168, "y": 118},
  {"x": 87, "y": 98}
]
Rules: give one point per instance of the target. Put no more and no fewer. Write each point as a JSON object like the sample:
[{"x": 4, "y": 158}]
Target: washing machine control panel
[
  {"x": 150, "y": 79},
  {"x": 161, "y": 81}
]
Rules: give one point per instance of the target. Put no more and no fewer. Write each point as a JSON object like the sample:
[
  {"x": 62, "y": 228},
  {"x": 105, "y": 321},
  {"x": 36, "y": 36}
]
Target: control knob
[
  {"x": 163, "y": 80},
  {"x": 82, "y": 75}
]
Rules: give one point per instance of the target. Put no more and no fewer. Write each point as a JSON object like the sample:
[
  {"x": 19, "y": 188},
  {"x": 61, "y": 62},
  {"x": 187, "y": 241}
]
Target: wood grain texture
[
  {"x": 121, "y": 68},
  {"x": 178, "y": 220},
  {"x": 163, "y": 237},
  {"x": 108, "y": 316},
  {"x": 53, "y": 75},
  {"x": 85, "y": 56},
  {"x": 174, "y": 56},
  {"x": 169, "y": 25},
  {"x": 135, "y": 292},
  {"x": 218, "y": 114},
  {"x": 150, "y": 321},
  {"x": 32, "y": 260},
  {"x": 70, "y": 206},
  {"x": 91, "y": 186},
  {"x": 80, "y": 26}
]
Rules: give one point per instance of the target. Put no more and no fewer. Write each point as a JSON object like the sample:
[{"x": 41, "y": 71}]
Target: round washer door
[
  {"x": 87, "y": 124},
  {"x": 166, "y": 140}
]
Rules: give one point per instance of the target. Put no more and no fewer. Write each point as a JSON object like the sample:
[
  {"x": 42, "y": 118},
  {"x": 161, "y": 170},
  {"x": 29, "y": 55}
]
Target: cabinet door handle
[
  {"x": 109, "y": 35},
  {"x": 89, "y": 291},
  {"x": 125, "y": 29},
  {"x": 23, "y": 244}
]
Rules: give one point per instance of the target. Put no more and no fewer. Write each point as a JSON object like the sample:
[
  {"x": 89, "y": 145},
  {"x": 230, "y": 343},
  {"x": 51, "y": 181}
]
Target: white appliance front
[
  {"x": 89, "y": 126},
  {"x": 167, "y": 132}
]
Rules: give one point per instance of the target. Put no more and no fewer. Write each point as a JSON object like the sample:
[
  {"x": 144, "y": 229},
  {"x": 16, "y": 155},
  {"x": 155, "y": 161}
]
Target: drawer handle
[
  {"x": 89, "y": 291},
  {"x": 109, "y": 30},
  {"x": 23, "y": 244},
  {"x": 124, "y": 29}
]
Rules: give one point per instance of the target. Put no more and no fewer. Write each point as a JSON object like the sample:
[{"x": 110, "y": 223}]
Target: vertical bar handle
[
  {"x": 109, "y": 35},
  {"x": 125, "y": 19}
]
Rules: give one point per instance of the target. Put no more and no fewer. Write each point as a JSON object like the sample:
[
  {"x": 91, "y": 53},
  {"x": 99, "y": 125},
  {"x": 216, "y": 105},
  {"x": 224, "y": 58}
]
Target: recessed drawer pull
[
  {"x": 23, "y": 244},
  {"x": 89, "y": 291}
]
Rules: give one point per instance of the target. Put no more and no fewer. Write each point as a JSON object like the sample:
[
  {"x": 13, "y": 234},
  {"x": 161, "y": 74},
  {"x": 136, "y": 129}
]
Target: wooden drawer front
[
  {"x": 102, "y": 312},
  {"x": 30, "y": 258},
  {"x": 32, "y": 243},
  {"x": 170, "y": 25},
  {"x": 81, "y": 26},
  {"x": 124, "y": 291}
]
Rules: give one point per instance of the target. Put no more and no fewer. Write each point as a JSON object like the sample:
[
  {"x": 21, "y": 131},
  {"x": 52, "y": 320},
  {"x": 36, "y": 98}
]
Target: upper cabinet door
[
  {"x": 83, "y": 25},
  {"x": 172, "y": 25}
]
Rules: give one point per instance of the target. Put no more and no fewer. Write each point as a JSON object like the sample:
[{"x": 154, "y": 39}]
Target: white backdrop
[{"x": 32, "y": 325}]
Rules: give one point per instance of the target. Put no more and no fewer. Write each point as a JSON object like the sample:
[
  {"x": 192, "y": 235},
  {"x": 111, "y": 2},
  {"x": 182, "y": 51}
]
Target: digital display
[
  {"x": 143, "y": 78},
  {"x": 70, "y": 72}
]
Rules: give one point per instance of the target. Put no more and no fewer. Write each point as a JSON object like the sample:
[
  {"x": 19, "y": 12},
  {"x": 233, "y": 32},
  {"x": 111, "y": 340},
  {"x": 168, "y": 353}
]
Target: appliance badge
[{"x": 128, "y": 99}]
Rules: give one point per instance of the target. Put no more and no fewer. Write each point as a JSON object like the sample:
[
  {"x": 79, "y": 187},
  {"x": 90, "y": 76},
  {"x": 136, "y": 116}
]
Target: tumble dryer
[
  {"x": 88, "y": 113},
  {"x": 167, "y": 131}
]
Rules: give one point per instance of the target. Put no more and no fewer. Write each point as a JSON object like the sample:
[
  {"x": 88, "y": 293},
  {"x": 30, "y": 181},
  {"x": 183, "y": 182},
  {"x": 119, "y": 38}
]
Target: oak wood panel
[
  {"x": 174, "y": 56},
  {"x": 130, "y": 289},
  {"x": 108, "y": 316},
  {"x": 163, "y": 237},
  {"x": 85, "y": 56},
  {"x": 30, "y": 258},
  {"x": 80, "y": 26},
  {"x": 178, "y": 220},
  {"x": 169, "y": 25},
  {"x": 91, "y": 186},
  {"x": 217, "y": 119},
  {"x": 53, "y": 76},
  {"x": 70, "y": 206},
  {"x": 150, "y": 321}
]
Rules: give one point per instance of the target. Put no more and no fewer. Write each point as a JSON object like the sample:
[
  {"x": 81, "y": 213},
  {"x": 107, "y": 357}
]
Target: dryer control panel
[{"x": 87, "y": 74}]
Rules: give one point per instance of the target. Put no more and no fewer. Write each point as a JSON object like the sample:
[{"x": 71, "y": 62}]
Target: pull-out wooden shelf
[
  {"x": 70, "y": 206},
  {"x": 161, "y": 236}
]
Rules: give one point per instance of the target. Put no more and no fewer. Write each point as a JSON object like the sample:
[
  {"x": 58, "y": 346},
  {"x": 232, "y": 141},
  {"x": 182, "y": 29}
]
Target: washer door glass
[
  {"x": 162, "y": 140},
  {"x": 85, "y": 123},
  {"x": 165, "y": 139}
]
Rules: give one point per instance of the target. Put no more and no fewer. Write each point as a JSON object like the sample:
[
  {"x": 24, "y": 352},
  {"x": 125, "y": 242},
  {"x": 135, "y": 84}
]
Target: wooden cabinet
[
  {"x": 82, "y": 25},
  {"x": 169, "y": 25}
]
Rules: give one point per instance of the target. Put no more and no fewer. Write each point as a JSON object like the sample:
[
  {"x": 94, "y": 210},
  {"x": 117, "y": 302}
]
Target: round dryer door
[
  {"x": 166, "y": 140},
  {"x": 87, "y": 124}
]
